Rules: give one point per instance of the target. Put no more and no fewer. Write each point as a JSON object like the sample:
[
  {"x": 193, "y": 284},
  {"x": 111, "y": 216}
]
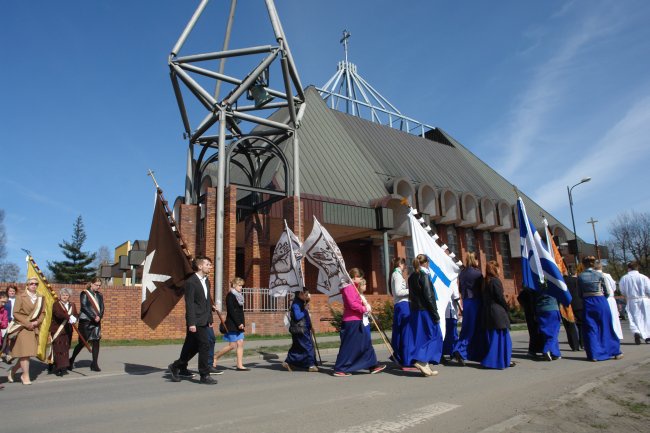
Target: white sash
[
  {"x": 93, "y": 300},
  {"x": 15, "y": 327}
]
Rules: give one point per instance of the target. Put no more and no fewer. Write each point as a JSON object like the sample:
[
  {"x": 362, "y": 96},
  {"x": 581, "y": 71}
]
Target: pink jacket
[
  {"x": 353, "y": 307},
  {"x": 4, "y": 319}
]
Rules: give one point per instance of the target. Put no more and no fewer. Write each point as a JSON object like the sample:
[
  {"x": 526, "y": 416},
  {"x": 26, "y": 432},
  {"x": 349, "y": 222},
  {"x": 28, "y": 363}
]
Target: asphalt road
[{"x": 133, "y": 394}]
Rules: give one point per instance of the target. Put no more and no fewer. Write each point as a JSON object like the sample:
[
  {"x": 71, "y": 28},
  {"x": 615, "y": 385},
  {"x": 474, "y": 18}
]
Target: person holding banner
[
  {"x": 28, "y": 312},
  {"x": 301, "y": 354},
  {"x": 600, "y": 340},
  {"x": 90, "y": 326},
  {"x": 64, "y": 315},
  {"x": 401, "y": 337},
  {"x": 356, "y": 351},
  {"x": 424, "y": 319},
  {"x": 547, "y": 314},
  {"x": 470, "y": 342},
  {"x": 496, "y": 320}
]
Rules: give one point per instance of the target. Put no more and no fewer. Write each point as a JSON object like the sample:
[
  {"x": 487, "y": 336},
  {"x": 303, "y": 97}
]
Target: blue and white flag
[
  {"x": 537, "y": 263},
  {"x": 442, "y": 268}
]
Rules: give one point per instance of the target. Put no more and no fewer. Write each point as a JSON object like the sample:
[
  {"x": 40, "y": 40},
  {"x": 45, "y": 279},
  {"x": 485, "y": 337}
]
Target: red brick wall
[{"x": 122, "y": 315}]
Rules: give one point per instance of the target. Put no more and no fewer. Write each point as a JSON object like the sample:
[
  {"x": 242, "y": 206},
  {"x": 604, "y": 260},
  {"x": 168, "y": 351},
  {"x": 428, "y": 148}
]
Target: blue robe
[
  {"x": 356, "y": 351},
  {"x": 301, "y": 353},
  {"x": 600, "y": 340},
  {"x": 427, "y": 339},
  {"x": 471, "y": 342},
  {"x": 402, "y": 337}
]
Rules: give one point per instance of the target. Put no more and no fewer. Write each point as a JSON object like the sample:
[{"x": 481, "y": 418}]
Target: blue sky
[{"x": 545, "y": 92}]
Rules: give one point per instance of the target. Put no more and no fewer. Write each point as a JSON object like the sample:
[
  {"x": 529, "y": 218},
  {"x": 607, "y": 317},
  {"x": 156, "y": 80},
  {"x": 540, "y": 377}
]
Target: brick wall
[{"x": 122, "y": 315}]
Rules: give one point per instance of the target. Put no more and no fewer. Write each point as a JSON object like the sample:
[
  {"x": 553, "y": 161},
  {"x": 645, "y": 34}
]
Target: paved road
[{"x": 133, "y": 394}]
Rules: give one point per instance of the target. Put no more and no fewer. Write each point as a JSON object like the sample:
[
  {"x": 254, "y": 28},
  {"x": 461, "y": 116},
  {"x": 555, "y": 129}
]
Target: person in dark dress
[
  {"x": 90, "y": 322},
  {"x": 576, "y": 336},
  {"x": 496, "y": 321},
  {"x": 301, "y": 354},
  {"x": 64, "y": 315},
  {"x": 527, "y": 299},
  {"x": 424, "y": 318},
  {"x": 471, "y": 341}
]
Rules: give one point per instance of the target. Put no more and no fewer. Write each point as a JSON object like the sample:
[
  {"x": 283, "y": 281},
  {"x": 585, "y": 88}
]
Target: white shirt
[
  {"x": 203, "y": 283},
  {"x": 400, "y": 291}
]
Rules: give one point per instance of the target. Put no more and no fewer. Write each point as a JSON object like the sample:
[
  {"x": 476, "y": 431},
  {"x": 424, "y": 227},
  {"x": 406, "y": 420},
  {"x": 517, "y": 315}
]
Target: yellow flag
[{"x": 44, "y": 341}]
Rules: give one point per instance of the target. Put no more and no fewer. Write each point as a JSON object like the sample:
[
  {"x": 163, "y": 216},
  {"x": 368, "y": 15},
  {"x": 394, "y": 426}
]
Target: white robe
[
  {"x": 636, "y": 289},
  {"x": 611, "y": 288}
]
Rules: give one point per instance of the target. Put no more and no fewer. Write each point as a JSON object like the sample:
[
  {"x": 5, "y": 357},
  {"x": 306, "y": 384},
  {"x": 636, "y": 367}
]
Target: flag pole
[
  {"x": 381, "y": 332},
  {"x": 186, "y": 251},
  {"x": 302, "y": 286},
  {"x": 48, "y": 286}
]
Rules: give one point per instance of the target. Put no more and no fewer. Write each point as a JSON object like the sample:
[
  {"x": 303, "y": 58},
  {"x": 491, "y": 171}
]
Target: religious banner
[
  {"x": 44, "y": 340},
  {"x": 321, "y": 251},
  {"x": 166, "y": 267},
  {"x": 286, "y": 273}
]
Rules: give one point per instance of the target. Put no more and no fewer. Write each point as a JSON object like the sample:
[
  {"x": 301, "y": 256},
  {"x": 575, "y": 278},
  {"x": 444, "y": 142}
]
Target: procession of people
[{"x": 417, "y": 343}]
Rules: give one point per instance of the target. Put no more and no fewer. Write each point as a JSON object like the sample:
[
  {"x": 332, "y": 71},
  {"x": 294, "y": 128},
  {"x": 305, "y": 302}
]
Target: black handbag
[
  {"x": 298, "y": 327},
  {"x": 222, "y": 329}
]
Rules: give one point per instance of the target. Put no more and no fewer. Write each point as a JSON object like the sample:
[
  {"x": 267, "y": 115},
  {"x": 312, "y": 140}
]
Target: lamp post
[{"x": 575, "y": 236}]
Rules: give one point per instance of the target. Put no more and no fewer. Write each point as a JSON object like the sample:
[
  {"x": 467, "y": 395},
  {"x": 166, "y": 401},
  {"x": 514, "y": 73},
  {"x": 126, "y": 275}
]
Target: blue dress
[
  {"x": 356, "y": 351},
  {"x": 301, "y": 353},
  {"x": 402, "y": 337},
  {"x": 498, "y": 351},
  {"x": 548, "y": 323},
  {"x": 425, "y": 329},
  {"x": 471, "y": 342},
  {"x": 600, "y": 340},
  {"x": 451, "y": 336}
]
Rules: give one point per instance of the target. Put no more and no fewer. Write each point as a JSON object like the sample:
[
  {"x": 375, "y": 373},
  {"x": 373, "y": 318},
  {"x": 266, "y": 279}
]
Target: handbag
[
  {"x": 298, "y": 327},
  {"x": 222, "y": 329}
]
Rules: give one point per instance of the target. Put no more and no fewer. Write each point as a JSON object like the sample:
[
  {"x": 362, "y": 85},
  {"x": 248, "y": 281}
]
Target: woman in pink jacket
[{"x": 356, "y": 351}]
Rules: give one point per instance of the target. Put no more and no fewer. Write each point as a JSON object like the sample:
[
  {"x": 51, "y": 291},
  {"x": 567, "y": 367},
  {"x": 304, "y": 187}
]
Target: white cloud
[{"x": 622, "y": 146}]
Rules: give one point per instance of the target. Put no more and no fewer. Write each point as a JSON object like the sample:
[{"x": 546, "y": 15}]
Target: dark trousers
[
  {"x": 572, "y": 334},
  {"x": 95, "y": 352},
  {"x": 195, "y": 342}
]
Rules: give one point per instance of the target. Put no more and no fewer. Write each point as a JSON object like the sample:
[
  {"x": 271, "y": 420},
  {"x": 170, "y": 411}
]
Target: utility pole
[{"x": 593, "y": 222}]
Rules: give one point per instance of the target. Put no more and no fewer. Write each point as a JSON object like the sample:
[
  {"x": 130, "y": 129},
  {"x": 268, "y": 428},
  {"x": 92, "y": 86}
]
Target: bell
[{"x": 260, "y": 95}]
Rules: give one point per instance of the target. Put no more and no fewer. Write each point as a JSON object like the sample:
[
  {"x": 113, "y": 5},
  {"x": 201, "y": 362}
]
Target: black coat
[
  {"x": 235, "y": 313},
  {"x": 198, "y": 309},
  {"x": 495, "y": 307},
  {"x": 421, "y": 295}
]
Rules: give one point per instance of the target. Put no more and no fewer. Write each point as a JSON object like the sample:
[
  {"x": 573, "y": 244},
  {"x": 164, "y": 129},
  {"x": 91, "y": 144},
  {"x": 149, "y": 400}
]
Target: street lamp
[{"x": 575, "y": 236}]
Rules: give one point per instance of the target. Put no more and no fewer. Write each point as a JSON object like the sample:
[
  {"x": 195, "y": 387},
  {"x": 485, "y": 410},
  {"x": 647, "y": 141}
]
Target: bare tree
[{"x": 630, "y": 240}]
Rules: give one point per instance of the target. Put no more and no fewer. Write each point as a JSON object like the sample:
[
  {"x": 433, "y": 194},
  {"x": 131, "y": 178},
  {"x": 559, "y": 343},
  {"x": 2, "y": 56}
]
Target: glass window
[
  {"x": 452, "y": 239},
  {"x": 488, "y": 247},
  {"x": 470, "y": 240},
  {"x": 410, "y": 254},
  {"x": 506, "y": 255}
]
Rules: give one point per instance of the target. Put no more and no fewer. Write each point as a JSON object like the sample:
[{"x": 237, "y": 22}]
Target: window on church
[
  {"x": 452, "y": 240},
  {"x": 488, "y": 247},
  {"x": 470, "y": 241},
  {"x": 506, "y": 255}
]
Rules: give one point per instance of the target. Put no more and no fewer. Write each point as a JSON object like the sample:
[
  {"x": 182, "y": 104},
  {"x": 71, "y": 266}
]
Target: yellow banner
[{"x": 44, "y": 343}]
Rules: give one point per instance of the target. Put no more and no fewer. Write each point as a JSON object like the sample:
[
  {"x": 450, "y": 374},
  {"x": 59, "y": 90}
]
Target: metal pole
[
  {"x": 226, "y": 42},
  {"x": 386, "y": 261},
  {"x": 189, "y": 27},
  {"x": 575, "y": 236},
  {"x": 221, "y": 186},
  {"x": 189, "y": 176}
]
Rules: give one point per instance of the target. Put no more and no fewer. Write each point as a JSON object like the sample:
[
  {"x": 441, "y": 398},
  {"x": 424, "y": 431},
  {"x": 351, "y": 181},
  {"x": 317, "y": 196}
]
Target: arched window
[
  {"x": 452, "y": 239},
  {"x": 505, "y": 255},
  {"x": 488, "y": 247},
  {"x": 470, "y": 241}
]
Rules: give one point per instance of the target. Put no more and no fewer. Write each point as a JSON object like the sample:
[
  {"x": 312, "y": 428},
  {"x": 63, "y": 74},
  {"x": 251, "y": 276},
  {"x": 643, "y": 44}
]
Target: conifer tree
[{"x": 78, "y": 266}]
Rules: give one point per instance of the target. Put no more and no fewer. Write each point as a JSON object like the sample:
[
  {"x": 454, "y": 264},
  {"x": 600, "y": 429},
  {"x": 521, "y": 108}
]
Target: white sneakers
[{"x": 425, "y": 369}]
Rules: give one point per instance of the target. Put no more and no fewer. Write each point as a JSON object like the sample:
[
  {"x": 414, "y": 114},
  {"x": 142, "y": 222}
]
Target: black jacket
[
  {"x": 495, "y": 307},
  {"x": 88, "y": 311},
  {"x": 235, "y": 313},
  {"x": 421, "y": 295},
  {"x": 198, "y": 309}
]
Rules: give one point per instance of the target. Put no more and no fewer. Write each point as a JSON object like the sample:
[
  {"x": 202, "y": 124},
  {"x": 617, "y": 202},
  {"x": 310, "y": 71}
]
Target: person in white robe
[
  {"x": 610, "y": 285},
  {"x": 636, "y": 289}
]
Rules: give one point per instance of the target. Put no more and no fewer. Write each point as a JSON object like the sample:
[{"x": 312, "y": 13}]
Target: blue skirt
[
  {"x": 600, "y": 340},
  {"x": 499, "y": 349},
  {"x": 471, "y": 342},
  {"x": 301, "y": 353},
  {"x": 427, "y": 339},
  {"x": 451, "y": 336},
  {"x": 233, "y": 336},
  {"x": 356, "y": 351},
  {"x": 402, "y": 337},
  {"x": 549, "y": 328}
]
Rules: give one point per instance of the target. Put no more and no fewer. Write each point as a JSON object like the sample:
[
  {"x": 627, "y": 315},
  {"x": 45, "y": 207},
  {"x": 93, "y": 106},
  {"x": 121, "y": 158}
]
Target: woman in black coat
[
  {"x": 234, "y": 323},
  {"x": 496, "y": 321}
]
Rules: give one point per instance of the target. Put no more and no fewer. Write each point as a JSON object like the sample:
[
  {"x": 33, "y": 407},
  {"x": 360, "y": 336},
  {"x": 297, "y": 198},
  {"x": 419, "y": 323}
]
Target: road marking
[{"x": 402, "y": 422}]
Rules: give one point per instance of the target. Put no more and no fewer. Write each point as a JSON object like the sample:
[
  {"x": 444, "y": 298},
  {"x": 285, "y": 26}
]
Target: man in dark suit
[{"x": 198, "y": 318}]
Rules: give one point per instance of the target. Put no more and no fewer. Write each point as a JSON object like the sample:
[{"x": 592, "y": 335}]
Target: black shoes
[
  {"x": 95, "y": 367},
  {"x": 637, "y": 338},
  {"x": 174, "y": 371},
  {"x": 459, "y": 359},
  {"x": 185, "y": 373},
  {"x": 214, "y": 371},
  {"x": 208, "y": 380}
]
